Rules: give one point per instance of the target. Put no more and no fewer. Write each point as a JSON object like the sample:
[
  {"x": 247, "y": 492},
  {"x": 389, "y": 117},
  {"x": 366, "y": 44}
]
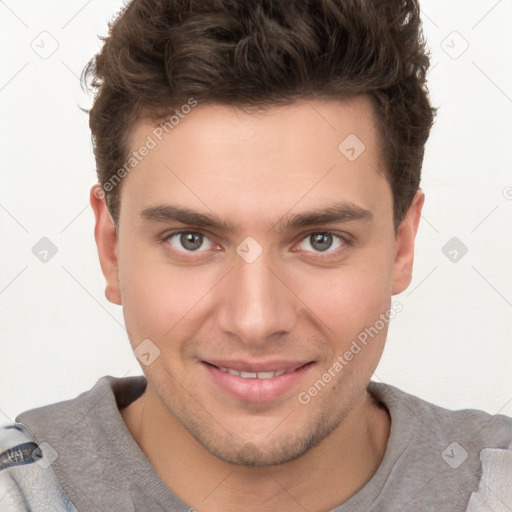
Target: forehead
[
  {"x": 299, "y": 154},
  {"x": 225, "y": 124}
]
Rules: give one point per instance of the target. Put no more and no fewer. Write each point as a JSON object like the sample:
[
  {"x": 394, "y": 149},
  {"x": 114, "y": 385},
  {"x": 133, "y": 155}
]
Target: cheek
[
  {"x": 159, "y": 298},
  {"x": 152, "y": 294},
  {"x": 350, "y": 298}
]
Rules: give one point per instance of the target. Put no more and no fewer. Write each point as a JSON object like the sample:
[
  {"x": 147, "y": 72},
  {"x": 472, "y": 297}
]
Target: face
[{"x": 253, "y": 250}]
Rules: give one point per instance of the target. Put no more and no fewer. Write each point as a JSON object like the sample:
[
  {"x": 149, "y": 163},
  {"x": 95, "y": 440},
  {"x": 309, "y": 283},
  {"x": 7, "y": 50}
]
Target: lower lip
[{"x": 257, "y": 390}]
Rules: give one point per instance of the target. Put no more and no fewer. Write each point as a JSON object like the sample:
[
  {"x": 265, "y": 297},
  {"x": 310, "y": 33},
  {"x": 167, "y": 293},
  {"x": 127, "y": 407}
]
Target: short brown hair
[{"x": 256, "y": 53}]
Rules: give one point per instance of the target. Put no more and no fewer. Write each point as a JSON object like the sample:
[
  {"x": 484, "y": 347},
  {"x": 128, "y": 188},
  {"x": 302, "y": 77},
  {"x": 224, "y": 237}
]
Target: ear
[
  {"x": 405, "y": 236},
  {"x": 106, "y": 242}
]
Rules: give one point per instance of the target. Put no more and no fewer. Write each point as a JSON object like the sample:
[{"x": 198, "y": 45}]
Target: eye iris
[
  {"x": 191, "y": 241},
  {"x": 321, "y": 241}
]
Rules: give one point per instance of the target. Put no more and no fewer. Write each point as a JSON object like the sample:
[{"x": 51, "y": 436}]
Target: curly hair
[{"x": 159, "y": 54}]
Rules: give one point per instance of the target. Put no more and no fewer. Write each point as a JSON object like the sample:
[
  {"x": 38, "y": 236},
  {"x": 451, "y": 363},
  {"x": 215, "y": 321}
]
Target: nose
[{"x": 257, "y": 302}]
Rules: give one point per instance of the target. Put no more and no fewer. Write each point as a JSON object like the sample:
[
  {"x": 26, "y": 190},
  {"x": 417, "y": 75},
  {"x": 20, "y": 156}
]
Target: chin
[{"x": 267, "y": 451}]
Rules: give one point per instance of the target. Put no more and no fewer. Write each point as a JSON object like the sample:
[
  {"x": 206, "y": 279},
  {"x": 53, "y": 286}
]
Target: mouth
[
  {"x": 257, "y": 382},
  {"x": 252, "y": 375}
]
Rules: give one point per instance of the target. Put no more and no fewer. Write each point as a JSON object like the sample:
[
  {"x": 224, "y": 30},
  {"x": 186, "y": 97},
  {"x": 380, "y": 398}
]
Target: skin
[{"x": 295, "y": 301}]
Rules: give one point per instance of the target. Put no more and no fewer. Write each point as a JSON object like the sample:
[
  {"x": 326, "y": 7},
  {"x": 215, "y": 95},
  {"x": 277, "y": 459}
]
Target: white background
[{"x": 451, "y": 345}]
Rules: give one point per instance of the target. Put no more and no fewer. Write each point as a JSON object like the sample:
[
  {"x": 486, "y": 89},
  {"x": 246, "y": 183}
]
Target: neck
[{"x": 323, "y": 478}]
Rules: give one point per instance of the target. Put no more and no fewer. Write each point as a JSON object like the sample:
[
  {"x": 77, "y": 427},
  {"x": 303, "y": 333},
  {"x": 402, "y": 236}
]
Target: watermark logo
[
  {"x": 454, "y": 45},
  {"x": 352, "y": 147},
  {"x": 44, "y": 455},
  {"x": 249, "y": 249},
  {"x": 454, "y": 455},
  {"x": 45, "y": 45},
  {"x": 146, "y": 352},
  {"x": 44, "y": 250},
  {"x": 454, "y": 249}
]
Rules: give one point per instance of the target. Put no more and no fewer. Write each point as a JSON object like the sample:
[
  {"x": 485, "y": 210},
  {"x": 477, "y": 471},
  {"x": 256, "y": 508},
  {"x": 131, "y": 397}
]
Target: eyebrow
[{"x": 338, "y": 212}]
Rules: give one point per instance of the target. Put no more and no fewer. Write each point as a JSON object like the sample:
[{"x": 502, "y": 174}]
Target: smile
[
  {"x": 253, "y": 382},
  {"x": 255, "y": 375}
]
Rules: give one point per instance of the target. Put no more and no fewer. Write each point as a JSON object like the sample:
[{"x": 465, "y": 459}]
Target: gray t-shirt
[{"x": 432, "y": 460}]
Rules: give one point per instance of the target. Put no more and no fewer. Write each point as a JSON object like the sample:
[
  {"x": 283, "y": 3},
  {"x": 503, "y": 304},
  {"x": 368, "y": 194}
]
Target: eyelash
[{"x": 345, "y": 239}]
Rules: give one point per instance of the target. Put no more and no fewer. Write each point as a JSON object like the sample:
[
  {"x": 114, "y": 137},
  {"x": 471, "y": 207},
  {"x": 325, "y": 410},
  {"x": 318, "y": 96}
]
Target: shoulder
[
  {"x": 482, "y": 429},
  {"x": 85, "y": 437},
  {"x": 26, "y": 477},
  {"x": 104, "y": 398},
  {"x": 468, "y": 450}
]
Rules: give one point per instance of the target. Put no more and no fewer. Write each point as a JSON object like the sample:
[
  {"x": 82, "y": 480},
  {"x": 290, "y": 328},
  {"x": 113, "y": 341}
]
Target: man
[{"x": 258, "y": 200}]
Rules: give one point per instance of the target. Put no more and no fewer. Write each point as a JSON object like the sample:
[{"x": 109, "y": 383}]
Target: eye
[
  {"x": 323, "y": 241},
  {"x": 189, "y": 241}
]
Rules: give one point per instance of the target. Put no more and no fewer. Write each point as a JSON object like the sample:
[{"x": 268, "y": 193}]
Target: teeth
[
  {"x": 252, "y": 375},
  {"x": 266, "y": 375}
]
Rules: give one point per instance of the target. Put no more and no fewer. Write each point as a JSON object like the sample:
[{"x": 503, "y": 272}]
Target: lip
[{"x": 255, "y": 389}]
